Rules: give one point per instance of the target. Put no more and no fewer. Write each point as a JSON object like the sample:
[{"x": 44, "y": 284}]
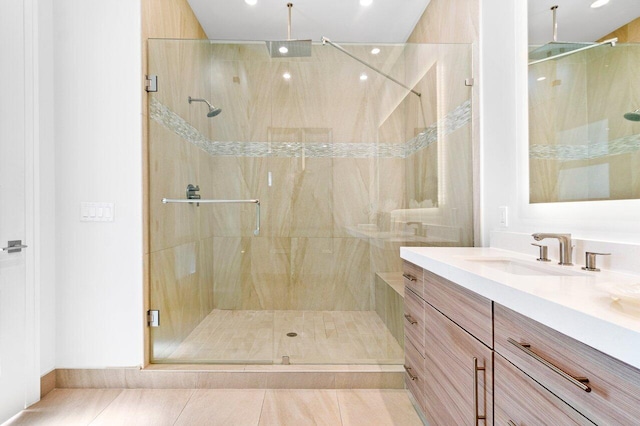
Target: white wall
[
  {"x": 98, "y": 158},
  {"x": 504, "y": 145},
  {"x": 46, "y": 177}
]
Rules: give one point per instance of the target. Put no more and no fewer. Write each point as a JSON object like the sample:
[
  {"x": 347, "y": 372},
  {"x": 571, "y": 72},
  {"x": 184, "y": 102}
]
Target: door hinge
[
  {"x": 152, "y": 83},
  {"x": 153, "y": 318},
  {"x": 468, "y": 82}
]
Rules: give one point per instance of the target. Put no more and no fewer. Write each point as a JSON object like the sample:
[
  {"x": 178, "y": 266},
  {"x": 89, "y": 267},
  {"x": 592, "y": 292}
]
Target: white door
[{"x": 16, "y": 127}]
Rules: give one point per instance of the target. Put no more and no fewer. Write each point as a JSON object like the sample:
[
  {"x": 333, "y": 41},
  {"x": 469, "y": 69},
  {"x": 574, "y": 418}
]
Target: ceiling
[
  {"x": 384, "y": 21},
  {"x": 577, "y": 21},
  {"x": 390, "y": 21}
]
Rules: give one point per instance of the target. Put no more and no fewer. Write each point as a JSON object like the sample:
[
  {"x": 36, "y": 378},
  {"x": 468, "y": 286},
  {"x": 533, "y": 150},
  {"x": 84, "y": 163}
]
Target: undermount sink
[{"x": 519, "y": 267}]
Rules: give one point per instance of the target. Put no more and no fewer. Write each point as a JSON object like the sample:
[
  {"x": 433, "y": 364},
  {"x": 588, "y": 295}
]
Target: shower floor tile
[{"x": 334, "y": 337}]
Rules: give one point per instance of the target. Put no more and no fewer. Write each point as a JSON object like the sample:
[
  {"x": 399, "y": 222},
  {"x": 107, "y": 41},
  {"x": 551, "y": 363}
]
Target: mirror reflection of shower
[
  {"x": 213, "y": 111},
  {"x": 633, "y": 116}
]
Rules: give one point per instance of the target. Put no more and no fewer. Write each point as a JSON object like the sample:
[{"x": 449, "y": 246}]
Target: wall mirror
[{"x": 584, "y": 100}]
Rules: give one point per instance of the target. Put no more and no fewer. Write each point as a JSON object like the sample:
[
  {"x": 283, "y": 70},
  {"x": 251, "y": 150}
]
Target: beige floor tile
[
  {"x": 145, "y": 407},
  {"x": 229, "y": 407},
  {"x": 378, "y": 407},
  {"x": 68, "y": 407},
  {"x": 300, "y": 407}
]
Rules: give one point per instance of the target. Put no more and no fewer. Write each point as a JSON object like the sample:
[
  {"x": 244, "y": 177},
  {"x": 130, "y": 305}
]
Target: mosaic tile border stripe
[
  {"x": 623, "y": 145},
  {"x": 459, "y": 117}
]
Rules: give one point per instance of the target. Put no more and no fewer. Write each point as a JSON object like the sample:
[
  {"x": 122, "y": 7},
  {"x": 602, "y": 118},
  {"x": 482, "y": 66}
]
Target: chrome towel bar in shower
[{"x": 256, "y": 232}]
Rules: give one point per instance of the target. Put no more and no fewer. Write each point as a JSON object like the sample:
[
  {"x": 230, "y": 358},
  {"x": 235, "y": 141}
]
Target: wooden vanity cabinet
[
  {"x": 478, "y": 359},
  {"x": 609, "y": 396},
  {"x": 451, "y": 378}
]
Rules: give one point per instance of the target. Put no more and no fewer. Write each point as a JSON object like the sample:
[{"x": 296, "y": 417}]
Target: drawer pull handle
[
  {"x": 409, "y": 277},
  {"x": 578, "y": 381},
  {"x": 475, "y": 392},
  {"x": 411, "y": 376},
  {"x": 410, "y": 319},
  {"x": 511, "y": 423}
]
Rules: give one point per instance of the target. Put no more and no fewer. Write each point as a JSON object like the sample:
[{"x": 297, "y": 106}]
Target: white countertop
[{"x": 579, "y": 306}]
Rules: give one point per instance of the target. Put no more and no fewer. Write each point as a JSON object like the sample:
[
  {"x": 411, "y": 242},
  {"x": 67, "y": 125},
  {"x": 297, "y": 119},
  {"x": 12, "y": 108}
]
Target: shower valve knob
[{"x": 191, "y": 192}]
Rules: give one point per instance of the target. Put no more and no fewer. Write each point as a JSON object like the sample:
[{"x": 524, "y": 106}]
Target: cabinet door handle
[
  {"x": 411, "y": 376},
  {"x": 410, "y": 319},
  {"x": 409, "y": 277},
  {"x": 511, "y": 423},
  {"x": 476, "y": 416},
  {"x": 578, "y": 381}
]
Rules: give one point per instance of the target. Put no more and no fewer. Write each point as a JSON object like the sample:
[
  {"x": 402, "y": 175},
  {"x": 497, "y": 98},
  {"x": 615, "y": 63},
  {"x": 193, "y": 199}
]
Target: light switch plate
[
  {"x": 504, "y": 216},
  {"x": 96, "y": 212}
]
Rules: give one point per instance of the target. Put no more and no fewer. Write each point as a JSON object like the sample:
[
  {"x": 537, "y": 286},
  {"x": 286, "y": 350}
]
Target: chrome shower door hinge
[
  {"x": 153, "y": 318},
  {"x": 468, "y": 82},
  {"x": 152, "y": 83}
]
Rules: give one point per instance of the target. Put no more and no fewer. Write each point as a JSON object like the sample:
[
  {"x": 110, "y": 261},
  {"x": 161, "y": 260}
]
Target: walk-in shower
[{"x": 341, "y": 172}]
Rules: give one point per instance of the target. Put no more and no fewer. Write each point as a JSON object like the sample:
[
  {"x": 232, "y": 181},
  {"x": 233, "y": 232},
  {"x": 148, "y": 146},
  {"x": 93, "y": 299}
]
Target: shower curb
[{"x": 234, "y": 377}]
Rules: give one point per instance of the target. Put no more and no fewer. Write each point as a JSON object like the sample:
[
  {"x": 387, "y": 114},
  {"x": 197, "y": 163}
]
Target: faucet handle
[
  {"x": 543, "y": 253},
  {"x": 590, "y": 261}
]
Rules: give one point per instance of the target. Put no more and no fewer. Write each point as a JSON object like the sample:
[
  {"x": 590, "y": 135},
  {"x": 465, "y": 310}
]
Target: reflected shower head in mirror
[
  {"x": 213, "y": 111},
  {"x": 633, "y": 116}
]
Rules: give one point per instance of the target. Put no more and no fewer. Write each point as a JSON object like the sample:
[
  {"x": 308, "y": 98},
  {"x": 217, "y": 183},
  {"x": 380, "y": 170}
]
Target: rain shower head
[
  {"x": 289, "y": 48},
  {"x": 213, "y": 111},
  {"x": 633, "y": 116}
]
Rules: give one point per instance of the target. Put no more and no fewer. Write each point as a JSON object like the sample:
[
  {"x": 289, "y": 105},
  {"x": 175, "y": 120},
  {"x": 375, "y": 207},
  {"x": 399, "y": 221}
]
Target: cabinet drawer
[
  {"x": 466, "y": 308},
  {"x": 457, "y": 369},
  {"x": 521, "y": 400},
  {"x": 414, "y": 319},
  {"x": 412, "y": 275},
  {"x": 414, "y": 373},
  {"x": 554, "y": 360}
]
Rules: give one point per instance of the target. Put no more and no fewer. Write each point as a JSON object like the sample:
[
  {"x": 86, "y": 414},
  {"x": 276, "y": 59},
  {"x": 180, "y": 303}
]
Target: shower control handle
[{"x": 191, "y": 192}]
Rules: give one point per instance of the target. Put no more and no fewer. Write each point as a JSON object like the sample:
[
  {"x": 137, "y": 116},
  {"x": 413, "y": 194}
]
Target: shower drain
[{"x": 292, "y": 334}]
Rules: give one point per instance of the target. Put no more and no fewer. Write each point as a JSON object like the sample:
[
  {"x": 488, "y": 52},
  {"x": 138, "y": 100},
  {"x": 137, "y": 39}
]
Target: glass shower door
[{"x": 348, "y": 167}]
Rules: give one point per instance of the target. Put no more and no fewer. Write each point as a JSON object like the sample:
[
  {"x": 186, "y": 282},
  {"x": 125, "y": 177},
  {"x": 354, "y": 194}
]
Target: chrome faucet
[{"x": 565, "y": 245}]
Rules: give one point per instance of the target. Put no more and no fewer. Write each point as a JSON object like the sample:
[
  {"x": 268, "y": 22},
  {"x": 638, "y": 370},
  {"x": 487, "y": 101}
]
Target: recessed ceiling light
[
  {"x": 366, "y": 2},
  {"x": 542, "y": 78},
  {"x": 375, "y": 51},
  {"x": 598, "y": 3},
  {"x": 283, "y": 50},
  {"x": 363, "y": 76},
  {"x": 286, "y": 75},
  {"x": 251, "y": 2}
]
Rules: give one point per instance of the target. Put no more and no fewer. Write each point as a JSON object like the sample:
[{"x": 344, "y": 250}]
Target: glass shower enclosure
[{"x": 347, "y": 166}]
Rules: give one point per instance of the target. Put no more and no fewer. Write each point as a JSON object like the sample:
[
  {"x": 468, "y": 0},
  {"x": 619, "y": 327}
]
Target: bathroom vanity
[{"x": 494, "y": 337}]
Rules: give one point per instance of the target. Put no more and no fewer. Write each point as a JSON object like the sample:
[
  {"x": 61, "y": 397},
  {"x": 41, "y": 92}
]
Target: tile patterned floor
[
  {"x": 79, "y": 407},
  {"x": 323, "y": 337}
]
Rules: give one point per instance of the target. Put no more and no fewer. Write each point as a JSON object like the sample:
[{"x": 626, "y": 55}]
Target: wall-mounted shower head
[
  {"x": 633, "y": 116},
  {"x": 213, "y": 111}
]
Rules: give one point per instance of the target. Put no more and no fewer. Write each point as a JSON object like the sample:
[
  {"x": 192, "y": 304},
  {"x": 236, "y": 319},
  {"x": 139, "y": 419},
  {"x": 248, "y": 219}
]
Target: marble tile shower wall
[{"x": 311, "y": 153}]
